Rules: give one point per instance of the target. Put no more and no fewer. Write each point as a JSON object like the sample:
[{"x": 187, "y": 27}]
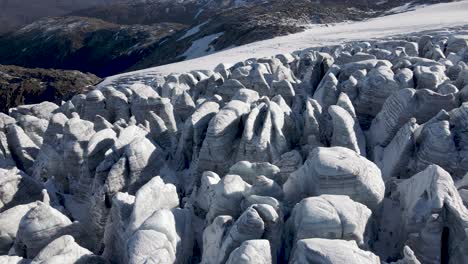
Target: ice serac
[
  {"x": 429, "y": 77},
  {"x": 38, "y": 227},
  {"x": 76, "y": 135},
  {"x": 213, "y": 237},
  {"x": 131, "y": 163},
  {"x": 176, "y": 224},
  {"x": 149, "y": 246},
  {"x": 160, "y": 133},
  {"x": 249, "y": 171},
  {"x": 376, "y": 87},
  {"x": 144, "y": 162},
  {"x": 313, "y": 66},
  {"x": 249, "y": 226},
  {"x": 42, "y": 110},
  {"x": 327, "y": 92},
  {"x": 229, "y": 88},
  {"x": 65, "y": 250},
  {"x": 18, "y": 188},
  {"x": 14, "y": 260},
  {"x": 115, "y": 237},
  {"x": 391, "y": 117},
  {"x": 153, "y": 196},
  {"x": 433, "y": 217},
  {"x": 459, "y": 121},
  {"x": 33, "y": 127},
  {"x": 23, "y": 149},
  {"x": 346, "y": 131},
  {"x": 349, "y": 153},
  {"x": 9, "y": 224},
  {"x": 51, "y": 153},
  {"x": 251, "y": 252},
  {"x": 193, "y": 133},
  {"x": 99, "y": 144},
  {"x": 436, "y": 146},
  {"x": 340, "y": 171},
  {"x": 203, "y": 196},
  {"x": 228, "y": 194},
  {"x": 311, "y": 124},
  {"x": 264, "y": 138},
  {"x": 224, "y": 235},
  {"x": 95, "y": 104},
  {"x": 318, "y": 250},
  {"x": 264, "y": 186},
  {"x": 330, "y": 217},
  {"x": 396, "y": 156},
  {"x": 218, "y": 149},
  {"x": 116, "y": 104},
  {"x": 288, "y": 163},
  {"x": 404, "y": 105}
]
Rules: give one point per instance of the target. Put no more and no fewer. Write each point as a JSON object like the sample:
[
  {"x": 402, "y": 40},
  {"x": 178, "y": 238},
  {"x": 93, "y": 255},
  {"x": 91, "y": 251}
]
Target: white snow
[
  {"x": 198, "y": 13},
  {"x": 193, "y": 30},
  {"x": 201, "y": 47},
  {"x": 404, "y": 8},
  {"x": 426, "y": 18}
]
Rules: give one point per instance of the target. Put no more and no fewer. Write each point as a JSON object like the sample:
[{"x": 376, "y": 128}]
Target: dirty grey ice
[{"x": 355, "y": 153}]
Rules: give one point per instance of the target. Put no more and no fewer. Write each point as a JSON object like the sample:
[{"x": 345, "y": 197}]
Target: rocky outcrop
[{"x": 19, "y": 86}]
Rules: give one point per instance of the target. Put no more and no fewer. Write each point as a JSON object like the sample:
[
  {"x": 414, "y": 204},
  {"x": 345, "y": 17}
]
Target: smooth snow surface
[
  {"x": 193, "y": 30},
  {"x": 404, "y": 8},
  {"x": 424, "y": 18},
  {"x": 201, "y": 47}
]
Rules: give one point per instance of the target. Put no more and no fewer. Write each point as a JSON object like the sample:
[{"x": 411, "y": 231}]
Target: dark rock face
[
  {"x": 17, "y": 13},
  {"x": 20, "y": 86},
  {"x": 84, "y": 44},
  {"x": 246, "y": 24},
  {"x": 110, "y": 37}
]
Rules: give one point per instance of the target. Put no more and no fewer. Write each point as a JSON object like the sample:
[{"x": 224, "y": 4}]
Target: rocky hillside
[
  {"x": 243, "y": 25},
  {"x": 17, "y": 13},
  {"x": 19, "y": 86},
  {"x": 121, "y": 36},
  {"x": 355, "y": 153},
  {"x": 84, "y": 44}
]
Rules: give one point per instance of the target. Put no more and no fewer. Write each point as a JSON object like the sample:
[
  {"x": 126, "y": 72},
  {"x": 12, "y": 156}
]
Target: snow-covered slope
[{"x": 424, "y": 18}]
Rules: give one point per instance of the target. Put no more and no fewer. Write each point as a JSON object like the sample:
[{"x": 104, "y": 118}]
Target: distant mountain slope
[
  {"x": 105, "y": 48},
  {"x": 117, "y": 36},
  {"x": 194, "y": 11},
  {"x": 16, "y": 13},
  {"x": 247, "y": 24},
  {"x": 85, "y": 44},
  {"x": 20, "y": 86},
  {"x": 429, "y": 18}
]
